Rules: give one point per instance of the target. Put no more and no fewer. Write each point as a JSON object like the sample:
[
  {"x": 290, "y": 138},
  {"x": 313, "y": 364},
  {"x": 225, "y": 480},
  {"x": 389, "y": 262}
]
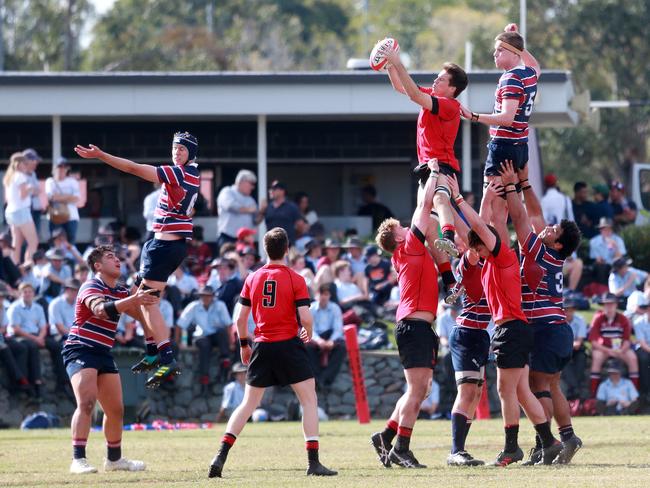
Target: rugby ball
[{"x": 377, "y": 58}]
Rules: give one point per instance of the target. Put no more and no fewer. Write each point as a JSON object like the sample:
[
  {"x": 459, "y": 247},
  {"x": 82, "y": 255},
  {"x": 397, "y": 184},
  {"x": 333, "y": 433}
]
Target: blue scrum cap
[{"x": 189, "y": 141}]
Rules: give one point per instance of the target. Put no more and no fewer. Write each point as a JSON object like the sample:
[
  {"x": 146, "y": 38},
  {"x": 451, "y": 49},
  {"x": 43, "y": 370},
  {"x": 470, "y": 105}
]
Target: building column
[
  {"x": 466, "y": 184},
  {"x": 262, "y": 179},
  {"x": 56, "y": 138}
]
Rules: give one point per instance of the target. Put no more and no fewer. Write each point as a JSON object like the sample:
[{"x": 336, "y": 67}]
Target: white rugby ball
[{"x": 377, "y": 58}]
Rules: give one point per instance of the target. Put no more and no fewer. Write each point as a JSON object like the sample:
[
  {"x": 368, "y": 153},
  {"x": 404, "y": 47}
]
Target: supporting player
[
  {"x": 166, "y": 251},
  {"x": 90, "y": 365},
  {"x": 469, "y": 343},
  {"x": 513, "y": 339},
  {"x": 543, "y": 249},
  {"x": 416, "y": 339},
  {"x": 278, "y": 356}
]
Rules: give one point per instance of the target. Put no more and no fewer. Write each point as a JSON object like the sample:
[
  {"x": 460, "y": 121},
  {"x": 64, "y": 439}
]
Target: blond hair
[
  {"x": 386, "y": 235},
  {"x": 14, "y": 161}
]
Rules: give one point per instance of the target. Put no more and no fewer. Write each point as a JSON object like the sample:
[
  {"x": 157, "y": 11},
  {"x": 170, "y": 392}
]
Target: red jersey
[
  {"x": 475, "y": 313},
  {"x": 502, "y": 283},
  {"x": 417, "y": 276},
  {"x": 603, "y": 331},
  {"x": 437, "y": 131},
  {"x": 274, "y": 292}
]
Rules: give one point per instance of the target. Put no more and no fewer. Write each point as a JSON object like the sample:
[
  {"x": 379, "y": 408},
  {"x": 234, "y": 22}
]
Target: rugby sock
[
  {"x": 467, "y": 426},
  {"x": 512, "y": 433},
  {"x": 165, "y": 352},
  {"x": 150, "y": 343},
  {"x": 403, "y": 438},
  {"x": 566, "y": 432},
  {"x": 114, "y": 450},
  {"x": 538, "y": 442},
  {"x": 447, "y": 276},
  {"x": 448, "y": 231},
  {"x": 311, "y": 444},
  {"x": 79, "y": 448},
  {"x": 458, "y": 432},
  {"x": 544, "y": 432},
  {"x": 227, "y": 441},
  {"x": 634, "y": 377},
  {"x": 595, "y": 381},
  {"x": 390, "y": 431}
]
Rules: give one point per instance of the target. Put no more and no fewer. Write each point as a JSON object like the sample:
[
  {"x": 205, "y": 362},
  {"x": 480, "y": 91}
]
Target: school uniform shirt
[
  {"x": 578, "y": 327},
  {"x": 207, "y": 320},
  {"x": 60, "y": 311},
  {"x": 326, "y": 319},
  {"x": 598, "y": 248},
  {"x": 518, "y": 83},
  {"x": 30, "y": 319},
  {"x": 233, "y": 395},
  {"x": 623, "y": 391},
  {"x": 642, "y": 329}
]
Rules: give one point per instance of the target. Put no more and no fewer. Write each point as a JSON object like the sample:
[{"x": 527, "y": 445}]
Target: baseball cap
[
  {"x": 222, "y": 262},
  {"x": 602, "y": 189},
  {"x": 608, "y": 298},
  {"x": 278, "y": 184},
  {"x": 32, "y": 155},
  {"x": 614, "y": 367},
  {"x": 617, "y": 185},
  {"x": 550, "y": 179},
  {"x": 620, "y": 262},
  {"x": 605, "y": 222},
  {"x": 372, "y": 251},
  {"x": 244, "y": 232}
]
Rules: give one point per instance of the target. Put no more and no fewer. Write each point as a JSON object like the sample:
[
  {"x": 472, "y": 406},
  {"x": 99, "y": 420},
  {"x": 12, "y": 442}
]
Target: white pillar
[
  {"x": 262, "y": 179},
  {"x": 522, "y": 18},
  {"x": 466, "y": 184},
  {"x": 56, "y": 138}
]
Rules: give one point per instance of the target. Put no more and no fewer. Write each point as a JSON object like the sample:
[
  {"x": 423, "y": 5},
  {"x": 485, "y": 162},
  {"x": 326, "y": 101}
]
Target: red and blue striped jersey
[
  {"x": 180, "y": 189},
  {"x": 475, "y": 313},
  {"x": 519, "y": 83},
  {"x": 88, "y": 329},
  {"x": 541, "y": 282}
]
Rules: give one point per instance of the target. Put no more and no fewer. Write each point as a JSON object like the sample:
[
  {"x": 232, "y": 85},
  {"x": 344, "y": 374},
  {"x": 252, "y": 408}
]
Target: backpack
[{"x": 40, "y": 420}]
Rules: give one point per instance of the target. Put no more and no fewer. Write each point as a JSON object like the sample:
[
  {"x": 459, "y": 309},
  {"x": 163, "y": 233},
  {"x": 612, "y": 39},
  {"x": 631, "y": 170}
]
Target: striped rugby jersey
[
  {"x": 520, "y": 83},
  {"x": 475, "y": 313},
  {"x": 87, "y": 329},
  {"x": 541, "y": 282},
  {"x": 605, "y": 331},
  {"x": 180, "y": 189}
]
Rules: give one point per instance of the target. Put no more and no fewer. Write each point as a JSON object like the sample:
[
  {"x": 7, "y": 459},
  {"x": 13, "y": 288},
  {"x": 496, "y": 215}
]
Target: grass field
[{"x": 616, "y": 453}]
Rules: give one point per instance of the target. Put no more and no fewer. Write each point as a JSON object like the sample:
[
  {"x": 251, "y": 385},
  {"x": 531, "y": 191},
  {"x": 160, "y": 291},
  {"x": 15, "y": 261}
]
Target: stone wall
[{"x": 181, "y": 400}]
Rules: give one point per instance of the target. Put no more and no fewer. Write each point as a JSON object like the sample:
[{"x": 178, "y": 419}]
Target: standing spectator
[
  {"x": 54, "y": 275},
  {"x": 372, "y": 208},
  {"x": 280, "y": 212},
  {"x": 211, "y": 321},
  {"x": 149, "y": 208},
  {"x": 609, "y": 335},
  {"x": 584, "y": 210},
  {"x": 19, "y": 189},
  {"x": 9, "y": 272},
  {"x": 233, "y": 392},
  {"x": 12, "y": 353},
  {"x": 327, "y": 346},
  {"x": 625, "y": 210},
  {"x": 302, "y": 201},
  {"x": 601, "y": 203},
  {"x": 616, "y": 395},
  {"x": 574, "y": 372},
  {"x": 237, "y": 208},
  {"x": 556, "y": 206},
  {"x": 61, "y": 311},
  {"x": 381, "y": 278},
  {"x": 604, "y": 249},
  {"x": 229, "y": 284},
  {"x": 63, "y": 188},
  {"x": 36, "y": 206},
  {"x": 642, "y": 347},
  {"x": 622, "y": 281}
]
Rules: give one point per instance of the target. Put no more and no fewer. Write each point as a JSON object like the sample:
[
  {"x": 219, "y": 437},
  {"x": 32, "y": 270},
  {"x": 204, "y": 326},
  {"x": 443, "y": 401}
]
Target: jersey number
[
  {"x": 558, "y": 282},
  {"x": 190, "y": 207},
  {"x": 528, "y": 108},
  {"x": 268, "y": 293}
]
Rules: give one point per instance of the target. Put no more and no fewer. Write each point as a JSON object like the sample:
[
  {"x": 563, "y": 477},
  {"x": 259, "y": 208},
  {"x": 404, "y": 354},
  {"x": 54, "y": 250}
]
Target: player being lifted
[
  {"x": 543, "y": 249},
  {"x": 279, "y": 300},
  {"x": 90, "y": 365},
  {"x": 437, "y": 128},
  {"x": 166, "y": 251},
  {"x": 416, "y": 339}
]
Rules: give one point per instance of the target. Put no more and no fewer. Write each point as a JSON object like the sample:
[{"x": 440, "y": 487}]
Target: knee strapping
[
  {"x": 464, "y": 380},
  {"x": 444, "y": 190},
  {"x": 542, "y": 394}
]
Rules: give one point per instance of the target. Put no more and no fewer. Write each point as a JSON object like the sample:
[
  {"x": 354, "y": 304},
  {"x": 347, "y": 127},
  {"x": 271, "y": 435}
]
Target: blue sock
[
  {"x": 165, "y": 352},
  {"x": 150, "y": 343},
  {"x": 458, "y": 432}
]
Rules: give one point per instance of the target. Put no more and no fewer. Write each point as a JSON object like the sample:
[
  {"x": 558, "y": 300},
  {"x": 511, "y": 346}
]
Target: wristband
[
  {"x": 434, "y": 174},
  {"x": 475, "y": 116},
  {"x": 243, "y": 342},
  {"x": 459, "y": 199},
  {"x": 111, "y": 310}
]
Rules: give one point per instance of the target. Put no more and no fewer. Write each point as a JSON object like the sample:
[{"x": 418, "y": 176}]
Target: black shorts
[
  {"x": 498, "y": 152},
  {"x": 76, "y": 358},
  {"x": 553, "y": 347},
  {"x": 279, "y": 364},
  {"x": 422, "y": 172},
  {"x": 417, "y": 344},
  {"x": 512, "y": 344},
  {"x": 159, "y": 259}
]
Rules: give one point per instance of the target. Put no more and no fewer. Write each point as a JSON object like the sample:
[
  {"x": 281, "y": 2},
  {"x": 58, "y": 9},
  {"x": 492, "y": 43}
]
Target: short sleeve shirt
[
  {"x": 180, "y": 189},
  {"x": 29, "y": 318},
  {"x": 603, "y": 331},
  {"x": 436, "y": 132}
]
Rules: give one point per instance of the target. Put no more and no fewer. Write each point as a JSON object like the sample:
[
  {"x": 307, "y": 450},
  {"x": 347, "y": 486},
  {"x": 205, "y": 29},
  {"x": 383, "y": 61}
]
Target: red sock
[
  {"x": 634, "y": 377},
  {"x": 228, "y": 438},
  {"x": 447, "y": 227},
  {"x": 595, "y": 381},
  {"x": 442, "y": 267}
]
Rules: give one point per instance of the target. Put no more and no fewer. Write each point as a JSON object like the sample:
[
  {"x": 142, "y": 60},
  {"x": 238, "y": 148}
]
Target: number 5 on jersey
[{"x": 268, "y": 293}]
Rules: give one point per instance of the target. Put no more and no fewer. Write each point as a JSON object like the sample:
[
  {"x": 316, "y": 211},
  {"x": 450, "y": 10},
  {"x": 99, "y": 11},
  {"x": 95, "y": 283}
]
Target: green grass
[{"x": 616, "y": 453}]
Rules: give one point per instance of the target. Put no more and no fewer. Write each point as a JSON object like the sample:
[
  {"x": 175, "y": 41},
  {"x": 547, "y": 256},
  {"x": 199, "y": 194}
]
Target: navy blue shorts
[
  {"x": 498, "y": 152},
  {"x": 76, "y": 358},
  {"x": 553, "y": 347},
  {"x": 160, "y": 259},
  {"x": 469, "y": 353}
]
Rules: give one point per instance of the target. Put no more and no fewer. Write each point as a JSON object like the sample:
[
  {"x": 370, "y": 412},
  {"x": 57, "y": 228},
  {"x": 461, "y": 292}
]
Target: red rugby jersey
[
  {"x": 416, "y": 275},
  {"x": 436, "y": 133},
  {"x": 502, "y": 283},
  {"x": 274, "y": 292}
]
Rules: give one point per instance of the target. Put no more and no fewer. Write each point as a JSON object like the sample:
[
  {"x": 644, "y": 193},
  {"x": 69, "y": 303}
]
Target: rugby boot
[
  {"x": 447, "y": 246},
  {"x": 534, "y": 456},
  {"x": 382, "y": 448},
  {"x": 81, "y": 466},
  {"x": 505, "y": 458},
  {"x": 550, "y": 453},
  {"x": 405, "y": 459},
  {"x": 317, "y": 469},
  {"x": 163, "y": 372},
  {"x": 570, "y": 447},
  {"x": 216, "y": 467},
  {"x": 124, "y": 464},
  {"x": 463, "y": 458},
  {"x": 147, "y": 363}
]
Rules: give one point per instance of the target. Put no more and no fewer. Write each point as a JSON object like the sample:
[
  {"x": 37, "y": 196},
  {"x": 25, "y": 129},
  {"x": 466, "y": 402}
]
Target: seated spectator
[
  {"x": 574, "y": 373},
  {"x": 327, "y": 346},
  {"x": 347, "y": 292},
  {"x": 61, "y": 311},
  {"x": 622, "y": 281},
  {"x": 602, "y": 207},
  {"x": 9, "y": 272},
  {"x": 604, "y": 249},
  {"x": 572, "y": 269},
  {"x": 609, "y": 335},
  {"x": 302, "y": 234},
  {"x": 302, "y": 201},
  {"x": 229, "y": 284},
  {"x": 245, "y": 238},
  {"x": 355, "y": 256},
  {"x": 184, "y": 284},
  {"x": 297, "y": 263},
  {"x": 625, "y": 210},
  {"x": 250, "y": 261},
  {"x": 429, "y": 405},
  {"x": 130, "y": 238},
  {"x": 233, "y": 392},
  {"x": 324, "y": 266},
  {"x": 129, "y": 333},
  {"x": 209, "y": 321},
  {"x": 616, "y": 395},
  {"x": 69, "y": 250},
  {"x": 11, "y": 356},
  {"x": 250, "y": 324},
  {"x": 380, "y": 276},
  {"x": 81, "y": 273},
  {"x": 632, "y": 310},
  {"x": 313, "y": 253},
  {"x": 54, "y": 275},
  {"x": 642, "y": 347}
]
